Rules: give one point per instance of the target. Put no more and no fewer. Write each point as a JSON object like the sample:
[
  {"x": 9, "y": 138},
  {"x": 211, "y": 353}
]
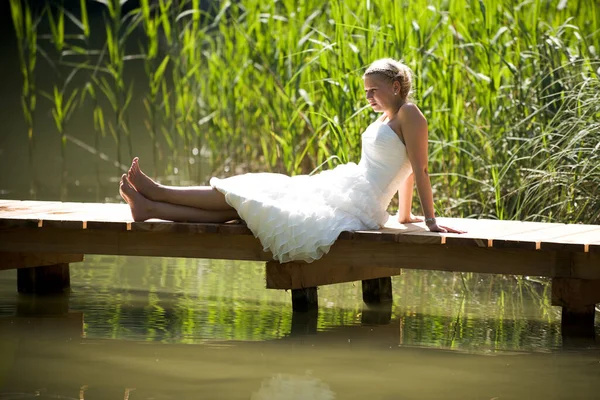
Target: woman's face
[{"x": 380, "y": 92}]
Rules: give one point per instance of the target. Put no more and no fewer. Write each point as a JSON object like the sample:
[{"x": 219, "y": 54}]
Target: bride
[{"x": 300, "y": 217}]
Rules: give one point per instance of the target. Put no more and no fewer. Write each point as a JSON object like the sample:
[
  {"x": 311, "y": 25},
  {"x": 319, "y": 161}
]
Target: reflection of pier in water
[
  {"x": 41, "y": 238},
  {"x": 373, "y": 325},
  {"x": 58, "y": 361}
]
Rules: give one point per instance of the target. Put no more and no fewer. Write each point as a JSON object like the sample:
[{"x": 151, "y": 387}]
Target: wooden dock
[{"x": 42, "y": 238}]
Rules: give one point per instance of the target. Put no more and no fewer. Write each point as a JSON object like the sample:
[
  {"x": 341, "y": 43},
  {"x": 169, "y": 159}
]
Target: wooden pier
[{"x": 41, "y": 239}]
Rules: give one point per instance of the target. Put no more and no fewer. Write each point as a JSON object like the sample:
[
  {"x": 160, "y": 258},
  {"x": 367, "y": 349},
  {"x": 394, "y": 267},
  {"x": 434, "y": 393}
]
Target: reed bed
[{"x": 510, "y": 88}]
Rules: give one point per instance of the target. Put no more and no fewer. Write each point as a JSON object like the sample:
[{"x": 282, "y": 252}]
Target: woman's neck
[{"x": 392, "y": 112}]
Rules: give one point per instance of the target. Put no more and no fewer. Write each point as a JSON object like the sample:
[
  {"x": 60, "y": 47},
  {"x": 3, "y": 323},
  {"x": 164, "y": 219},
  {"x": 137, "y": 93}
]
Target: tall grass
[
  {"x": 510, "y": 90},
  {"x": 26, "y": 27}
]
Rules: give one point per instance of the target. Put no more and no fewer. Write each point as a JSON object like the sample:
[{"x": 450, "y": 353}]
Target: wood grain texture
[
  {"x": 377, "y": 291},
  {"x": 133, "y": 243},
  {"x": 463, "y": 259},
  {"x": 575, "y": 293},
  {"x": 116, "y": 218},
  {"x": 573, "y": 240},
  {"x": 302, "y": 275},
  {"x": 489, "y": 233},
  {"x": 356, "y": 254},
  {"x": 12, "y": 260}
]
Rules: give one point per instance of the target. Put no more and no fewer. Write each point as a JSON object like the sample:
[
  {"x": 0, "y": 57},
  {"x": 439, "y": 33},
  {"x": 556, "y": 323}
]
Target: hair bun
[{"x": 393, "y": 70}]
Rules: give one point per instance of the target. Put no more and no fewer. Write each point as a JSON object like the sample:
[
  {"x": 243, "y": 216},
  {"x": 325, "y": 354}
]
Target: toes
[
  {"x": 128, "y": 183},
  {"x": 132, "y": 168}
]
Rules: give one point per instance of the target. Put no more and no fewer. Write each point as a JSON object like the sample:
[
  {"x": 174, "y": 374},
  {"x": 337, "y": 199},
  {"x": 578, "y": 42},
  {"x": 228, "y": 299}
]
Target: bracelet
[{"x": 430, "y": 221}]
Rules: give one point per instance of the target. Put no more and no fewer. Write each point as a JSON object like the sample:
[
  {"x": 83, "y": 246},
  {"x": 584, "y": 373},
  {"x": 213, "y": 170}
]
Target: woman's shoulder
[
  {"x": 409, "y": 115},
  {"x": 409, "y": 111}
]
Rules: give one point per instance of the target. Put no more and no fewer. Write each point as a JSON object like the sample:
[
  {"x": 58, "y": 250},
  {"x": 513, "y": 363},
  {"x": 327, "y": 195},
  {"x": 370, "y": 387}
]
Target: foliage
[{"x": 510, "y": 90}]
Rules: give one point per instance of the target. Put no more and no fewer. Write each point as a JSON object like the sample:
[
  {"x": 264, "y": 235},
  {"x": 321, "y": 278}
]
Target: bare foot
[
  {"x": 142, "y": 182},
  {"x": 140, "y": 206}
]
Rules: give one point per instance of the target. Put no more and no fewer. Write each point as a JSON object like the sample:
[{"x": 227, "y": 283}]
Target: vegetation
[
  {"x": 510, "y": 89},
  {"x": 188, "y": 301}
]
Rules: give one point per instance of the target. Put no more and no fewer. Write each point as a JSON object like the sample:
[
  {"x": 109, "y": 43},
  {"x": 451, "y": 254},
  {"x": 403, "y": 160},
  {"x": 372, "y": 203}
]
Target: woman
[{"x": 299, "y": 217}]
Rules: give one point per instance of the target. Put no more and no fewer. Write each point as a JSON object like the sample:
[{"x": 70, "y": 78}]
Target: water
[{"x": 163, "y": 328}]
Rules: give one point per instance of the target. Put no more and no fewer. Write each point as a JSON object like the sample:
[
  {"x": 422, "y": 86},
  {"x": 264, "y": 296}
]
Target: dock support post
[
  {"x": 304, "y": 323},
  {"x": 377, "y": 291},
  {"x": 40, "y": 273},
  {"x": 305, "y": 299},
  {"x": 48, "y": 279},
  {"x": 577, "y": 298}
]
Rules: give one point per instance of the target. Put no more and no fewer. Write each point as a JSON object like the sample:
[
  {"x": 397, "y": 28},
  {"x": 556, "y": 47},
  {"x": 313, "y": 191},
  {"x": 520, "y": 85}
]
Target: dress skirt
[{"x": 298, "y": 218}]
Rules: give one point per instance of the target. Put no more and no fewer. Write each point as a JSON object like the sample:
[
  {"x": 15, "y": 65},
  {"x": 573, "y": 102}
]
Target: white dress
[{"x": 300, "y": 217}]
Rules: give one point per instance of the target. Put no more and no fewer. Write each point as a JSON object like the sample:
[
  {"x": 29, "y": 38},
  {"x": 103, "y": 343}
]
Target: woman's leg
[
  {"x": 204, "y": 197},
  {"x": 143, "y": 208}
]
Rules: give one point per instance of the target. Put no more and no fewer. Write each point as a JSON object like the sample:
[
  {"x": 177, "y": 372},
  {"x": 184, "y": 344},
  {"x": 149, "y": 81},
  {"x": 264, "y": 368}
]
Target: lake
[{"x": 167, "y": 328}]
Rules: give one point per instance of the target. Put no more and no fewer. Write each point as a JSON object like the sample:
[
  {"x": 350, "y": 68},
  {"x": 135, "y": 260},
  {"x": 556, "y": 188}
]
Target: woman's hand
[{"x": 444, "y": 229}]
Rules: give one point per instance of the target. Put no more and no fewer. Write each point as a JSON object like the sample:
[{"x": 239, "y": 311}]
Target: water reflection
[
  {"x": 293, "y": 387},
  {"x": 315, "y": 366},
  {"x": 194, "y": 301},
  {"x": 163, "y": 328}
]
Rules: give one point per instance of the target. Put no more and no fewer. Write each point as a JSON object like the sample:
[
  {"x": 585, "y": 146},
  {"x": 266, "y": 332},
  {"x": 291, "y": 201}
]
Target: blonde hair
[{"x": 394, "y": 71}]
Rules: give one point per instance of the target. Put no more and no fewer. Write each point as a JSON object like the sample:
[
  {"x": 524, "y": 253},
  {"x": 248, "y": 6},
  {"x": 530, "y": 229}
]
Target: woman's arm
[
  {"x": 405, "y": 195},
  {"x": 415, "y": 132}
]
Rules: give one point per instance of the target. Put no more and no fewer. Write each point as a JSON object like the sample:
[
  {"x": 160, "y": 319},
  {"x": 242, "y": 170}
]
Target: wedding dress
[{"x": 300, "y": 217}]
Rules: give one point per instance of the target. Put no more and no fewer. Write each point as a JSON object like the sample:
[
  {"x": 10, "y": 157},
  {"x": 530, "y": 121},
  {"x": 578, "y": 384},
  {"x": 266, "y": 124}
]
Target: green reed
[
  {"x": 112, "y": 83},
  {"x": 63, "y": 98},
  {"x": 188, "y": 300},
  {"x": 510, "y": 90},
  {"x": 26, "y": 30}
]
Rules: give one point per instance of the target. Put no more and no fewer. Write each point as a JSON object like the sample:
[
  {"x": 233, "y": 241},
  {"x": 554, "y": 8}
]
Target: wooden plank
[
  {"x": 37, "y": 212},
  {"x": 302, "y": 275},
  {"x": 480, "y": 233},
  {"x": 10, "y": 223},
  {"x": 568, "y": 234},
  {"x": 28, "y": 209},
  {"x": 12, "y": 260},
  {"x": 73, "y": 216},
  {"x": 575, "y": 293},
  {"x": 584, "y": 265},
  {"x": 66, "y": 211},
  {"x": 462, "y": 259},
  {"x": 188, "y": 227},
  {"x": 88, "y": 212},
  {"x": 343, "y": 253},
  {"x": 490, "y": 233},
  {"x": 578, "y": 241},
  {"x": 176, "y": 228},
  {"x": 393, "y": 231},
  {"x": 412, "y": 233},
  {"x": 516, "y": 234},
  {"x": 234, "y": 229},
  {"x": 240, "y": 247}
]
